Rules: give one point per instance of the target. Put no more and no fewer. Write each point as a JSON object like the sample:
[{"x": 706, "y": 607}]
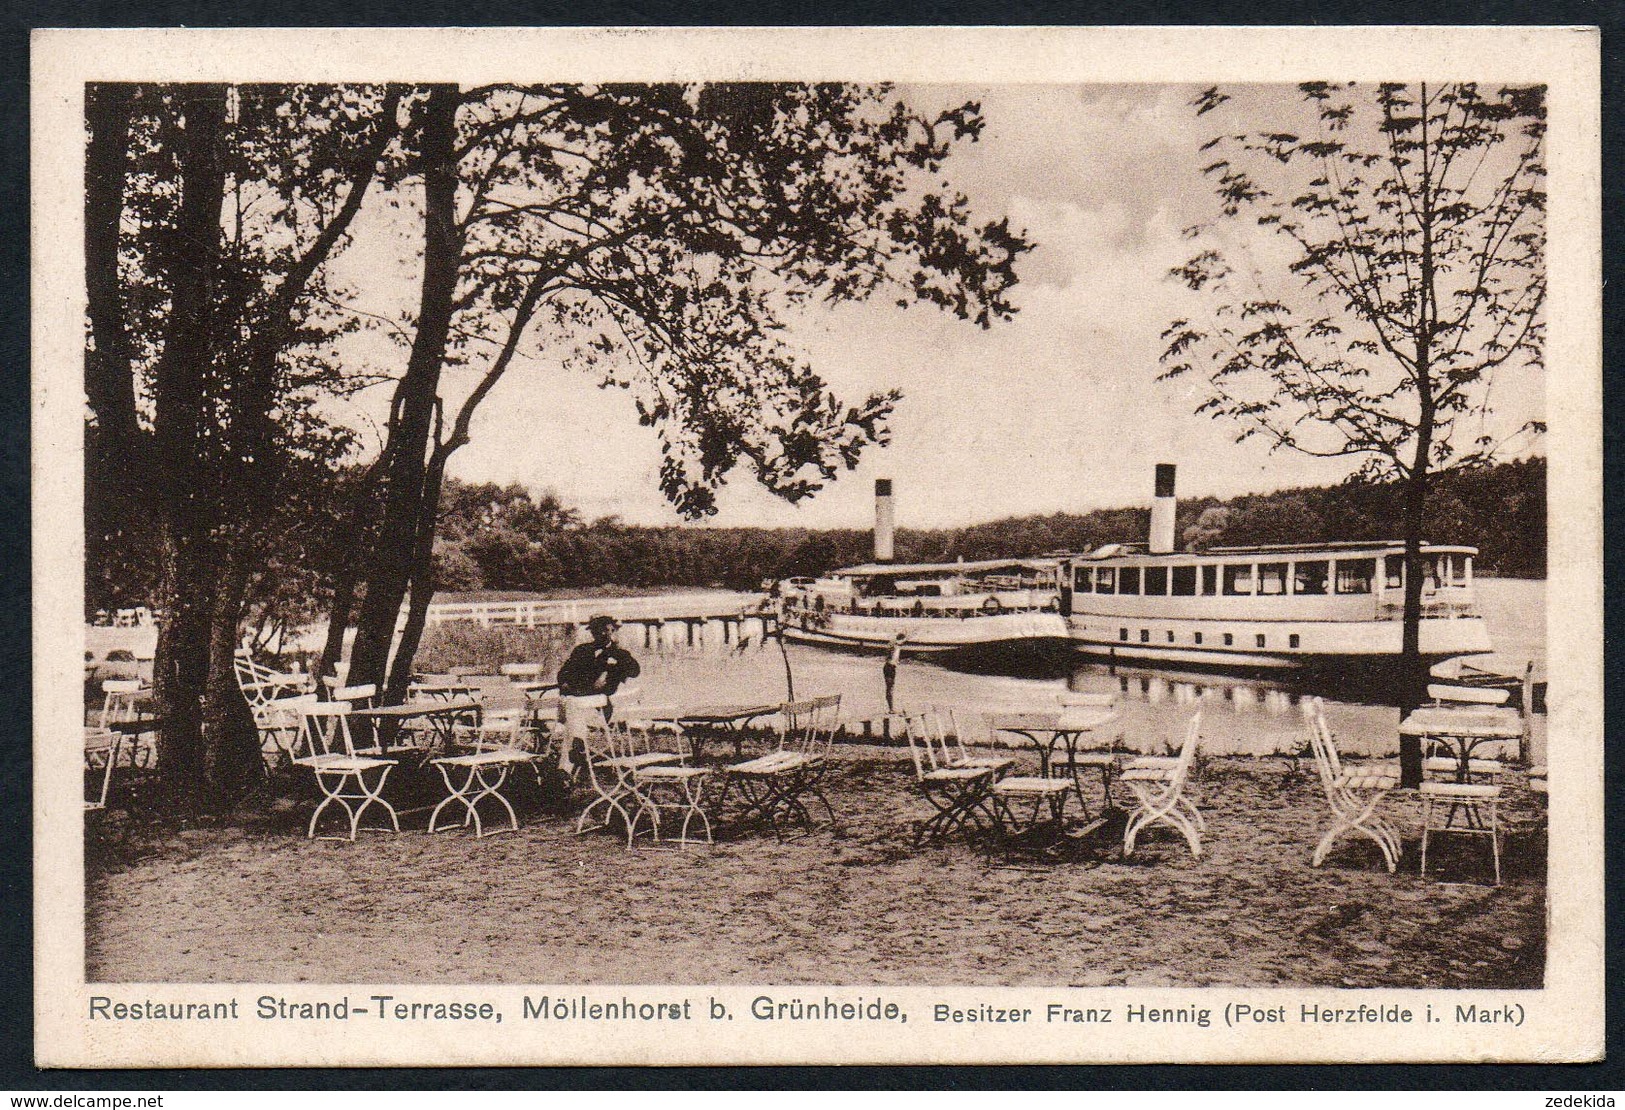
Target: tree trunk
[
  {"x": 400, "y": 674},
  {"x": 391, "y": 557},
  {"x": 231, "y": 760},
  {"x": 189, "y": 569},
  {"x": 1413, "y": 672}
]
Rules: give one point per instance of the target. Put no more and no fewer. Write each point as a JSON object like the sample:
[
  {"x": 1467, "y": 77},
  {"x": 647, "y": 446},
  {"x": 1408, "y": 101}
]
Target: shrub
[{"x": 466, "y": 644}]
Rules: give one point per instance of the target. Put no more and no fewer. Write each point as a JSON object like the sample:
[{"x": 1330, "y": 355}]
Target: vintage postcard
[{"x": 817, "y": 545}]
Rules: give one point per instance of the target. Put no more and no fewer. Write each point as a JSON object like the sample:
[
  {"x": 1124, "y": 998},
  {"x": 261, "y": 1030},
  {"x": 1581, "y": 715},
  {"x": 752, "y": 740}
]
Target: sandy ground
[{"x": 252, "y": 900}]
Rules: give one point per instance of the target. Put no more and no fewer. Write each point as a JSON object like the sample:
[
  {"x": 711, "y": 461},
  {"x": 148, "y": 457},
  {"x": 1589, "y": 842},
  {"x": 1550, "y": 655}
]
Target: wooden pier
[{"x": 674, "y": 622}]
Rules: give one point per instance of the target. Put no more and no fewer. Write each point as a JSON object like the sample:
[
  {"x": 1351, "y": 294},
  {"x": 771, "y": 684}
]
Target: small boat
[{"x": 1331, "y": 606}]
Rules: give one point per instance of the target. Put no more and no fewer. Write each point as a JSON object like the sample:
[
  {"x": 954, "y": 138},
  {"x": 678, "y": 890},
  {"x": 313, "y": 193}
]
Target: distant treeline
[{"x": 499, "y": 538}]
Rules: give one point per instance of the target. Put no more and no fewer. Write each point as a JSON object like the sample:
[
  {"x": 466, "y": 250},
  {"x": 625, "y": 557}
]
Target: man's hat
[{"x": 603, "y": 620}]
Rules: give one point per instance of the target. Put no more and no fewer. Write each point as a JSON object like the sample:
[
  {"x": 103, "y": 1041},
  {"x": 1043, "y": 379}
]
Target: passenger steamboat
[
  {"x": 1007, "y": 610},
  {"x": 1326, "y": 605}
]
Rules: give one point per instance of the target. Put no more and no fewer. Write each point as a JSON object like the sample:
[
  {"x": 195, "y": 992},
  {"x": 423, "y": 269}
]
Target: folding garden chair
[
  {"x": 1353, "y": 794},
  {"x": 612, "y": 762},
  {"x": 353, "y": 781},
  {"x": 958, "y": 793},
  {"x": 478, "y": 775},
  {"x": 119, "y": 698},
  {"x": 961, "y": 754},
  {"x": 773, "y": 787},
  {"x": 1478, "y": 806},
  {"x": 101, "y": 756},
  {"x": 278, "y": 723},
  {"x": 1159, "y": 795}
]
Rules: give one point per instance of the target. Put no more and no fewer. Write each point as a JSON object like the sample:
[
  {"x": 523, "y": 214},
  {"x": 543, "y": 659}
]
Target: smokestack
[
  {"x": 1162, "y": 512},
  {"x": 885, "y": 522}
]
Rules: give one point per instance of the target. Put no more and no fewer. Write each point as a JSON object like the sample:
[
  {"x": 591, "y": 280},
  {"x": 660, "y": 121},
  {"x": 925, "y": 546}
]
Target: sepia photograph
[{"x": 1008, "y": 533}]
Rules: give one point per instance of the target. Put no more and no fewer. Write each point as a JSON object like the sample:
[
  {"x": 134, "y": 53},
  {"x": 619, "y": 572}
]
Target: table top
[
  {"x": 417, "y": 709},
  {"x": 1478, "y": 722},
  {"x": 707, "y": 714},
  {"x": 1074, "y": 719}
]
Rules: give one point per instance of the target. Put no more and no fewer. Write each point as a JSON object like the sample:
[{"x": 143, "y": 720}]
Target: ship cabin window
[
  {"x": 1105, "y": 580},
  {"x": 1083, "y": 580},
  {"x": 1272, "y": 579},
  {"x": 1292, "y": 640},
  {"x": 1198, "y": 637},
  {"x": 1452, "y": 570},
  {"x": 1122, "y": 633},
  {"x": 1145, "y": 635},
  {"x": 1128, "y": 580},
  {"x": 1184, "y": 582},
  {"x": 1156, "y": 581},
  {"x": 1238, "y": 579},
  {"x": 1170, "y": 635},
  {"x": 1229, "y": 640},
  {"x": 1393, "y": 570},
  {"x": 1259, "y": 639},
  {"x": 1210, "y": 580},
  {"x": 1354, "y": 575},
  {"x": 1310, "y": 577}
]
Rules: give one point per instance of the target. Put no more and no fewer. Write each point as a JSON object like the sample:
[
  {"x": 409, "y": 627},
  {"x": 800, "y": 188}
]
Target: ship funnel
[
  {"x": 885, "y": 521},
  {"x": 1161, "y": 540}
]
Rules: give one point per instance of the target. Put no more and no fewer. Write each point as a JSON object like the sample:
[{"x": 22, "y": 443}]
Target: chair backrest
[
  {"x": 1327, "y": 761},
  {"x": 1187, "y": 753},
  {"x": 352, "y": 694},
  {"x": 324, "y": 728},
  {"x": 809, "y": 725},
  {"x": 601, "y": 741},
  {"x": 522, "y": 672},
  {"x": 1444, "y": 694},
  {"x": 927, "y": 745}
]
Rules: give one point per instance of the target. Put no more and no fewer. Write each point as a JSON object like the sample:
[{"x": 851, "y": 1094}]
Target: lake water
[{"x": 1240, "y": 716}]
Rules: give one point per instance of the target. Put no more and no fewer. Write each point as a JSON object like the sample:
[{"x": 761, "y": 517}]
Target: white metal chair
[
  {"x": 1159, "y": 794},
  {"x": 101, "y": 757},
  {"x": 278, "y": 723},
  {"x": 354, "y": 781},
  {"x": 774, "y": 786},
  {"x": 941, "y": 722},
  {"x": 1478, "y": 806},
  {"x": 1353, "y": 794},
  {"x": 958, "y": 792},
  {"x": 475, "y": 776},
  {"x": 120, "y": 697},
  {"x": 670, "y": 786},
  {"x": 612, "y": 762},
  {"x": 261, "y": 684}
]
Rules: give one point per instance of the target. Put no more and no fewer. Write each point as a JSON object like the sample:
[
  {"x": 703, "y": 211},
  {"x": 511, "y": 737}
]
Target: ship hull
[
  {"x": 1269, "y": 645},
  {"x": 1002, "y": 636}
]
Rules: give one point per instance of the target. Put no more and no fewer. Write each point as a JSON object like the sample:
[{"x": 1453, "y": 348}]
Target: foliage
[
  {"x": 1501, "y": 509},
  {"x": 465, "y": 644},
  {"x": 1411, "y": 269}
]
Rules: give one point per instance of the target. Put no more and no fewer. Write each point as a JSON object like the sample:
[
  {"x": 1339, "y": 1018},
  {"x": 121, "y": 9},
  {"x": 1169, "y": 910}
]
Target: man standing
[
  {"x": 888, "y": 669},
  {"x": 593, "y": 672}
]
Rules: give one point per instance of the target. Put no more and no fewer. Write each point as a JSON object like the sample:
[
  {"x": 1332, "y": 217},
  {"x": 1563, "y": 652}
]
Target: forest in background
[{"x": 501, "y": 538}]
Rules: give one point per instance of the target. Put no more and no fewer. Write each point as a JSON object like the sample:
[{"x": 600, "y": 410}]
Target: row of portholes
[{"x": 1260, "y": 640}]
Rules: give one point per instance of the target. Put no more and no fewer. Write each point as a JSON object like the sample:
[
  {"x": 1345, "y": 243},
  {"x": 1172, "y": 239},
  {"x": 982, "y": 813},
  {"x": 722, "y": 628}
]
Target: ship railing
[{"x": 1434, "y": 608}]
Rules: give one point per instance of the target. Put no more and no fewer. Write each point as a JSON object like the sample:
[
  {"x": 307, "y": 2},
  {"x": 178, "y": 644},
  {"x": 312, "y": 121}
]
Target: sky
[{"x": 1056, "y": 410}]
